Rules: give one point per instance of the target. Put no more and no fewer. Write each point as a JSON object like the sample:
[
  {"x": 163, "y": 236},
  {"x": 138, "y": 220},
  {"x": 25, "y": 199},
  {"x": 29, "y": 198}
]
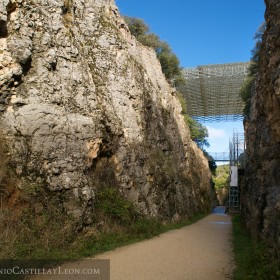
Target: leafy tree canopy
[
  {"x": 136, "y": 26},
  {"x": 170, "y": 63}
]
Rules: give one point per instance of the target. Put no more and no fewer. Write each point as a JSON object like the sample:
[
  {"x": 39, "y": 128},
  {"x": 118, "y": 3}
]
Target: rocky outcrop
[
  {"x": 85, "y": 106},
  {"x": 261, "y": 191}
]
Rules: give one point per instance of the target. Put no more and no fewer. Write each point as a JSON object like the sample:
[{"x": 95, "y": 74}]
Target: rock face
[
  {"x": 85, "y": 106},
  {"x": 261, "y": 191}
]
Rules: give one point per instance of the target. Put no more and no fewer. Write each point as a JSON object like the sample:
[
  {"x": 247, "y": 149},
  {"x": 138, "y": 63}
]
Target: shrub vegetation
[
  {"x": 221, "y": 179},
  {"x": 246, "y": 90},
  {"x": 253, "y": 259},
  {"x": 38, "y": 227}
]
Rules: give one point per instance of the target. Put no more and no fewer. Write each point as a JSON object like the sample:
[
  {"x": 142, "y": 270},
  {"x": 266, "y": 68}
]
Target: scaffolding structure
[
  {"x": 237, "y": 147},
  {"x": 237, "y": 154},
  {"x": 212, "y": 91},
  {"x": 220, "y": 156}
]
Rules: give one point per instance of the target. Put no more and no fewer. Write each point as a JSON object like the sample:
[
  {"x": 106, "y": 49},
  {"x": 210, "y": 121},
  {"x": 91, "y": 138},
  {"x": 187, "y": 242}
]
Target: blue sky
[{"x": 203, "y": 32}]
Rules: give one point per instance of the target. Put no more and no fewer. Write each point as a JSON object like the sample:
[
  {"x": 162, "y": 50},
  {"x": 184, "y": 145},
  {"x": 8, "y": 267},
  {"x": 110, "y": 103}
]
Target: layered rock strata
[{"x": 85, "y": 106}]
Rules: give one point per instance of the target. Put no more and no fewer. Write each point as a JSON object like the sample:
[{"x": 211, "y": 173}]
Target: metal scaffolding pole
[{"x": 237, "y": 157}]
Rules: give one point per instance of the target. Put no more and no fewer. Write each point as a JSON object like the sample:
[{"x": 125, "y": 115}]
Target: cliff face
[
  {"x": 261, "y": 191},
  {"x": 85, "y": 106}
]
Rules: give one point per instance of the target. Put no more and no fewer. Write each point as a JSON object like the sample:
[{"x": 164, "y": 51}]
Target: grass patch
[
  {"x": 123, "y": 224},
  {"x": 87, "y": 245},
  {"x": 253, "y": 259},
  {"x": 38, "y": 227},
  {"x": 37, "y": 232}
]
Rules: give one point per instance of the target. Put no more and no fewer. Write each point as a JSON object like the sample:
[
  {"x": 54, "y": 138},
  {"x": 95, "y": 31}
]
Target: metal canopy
[{"x": 212, "y": 91}]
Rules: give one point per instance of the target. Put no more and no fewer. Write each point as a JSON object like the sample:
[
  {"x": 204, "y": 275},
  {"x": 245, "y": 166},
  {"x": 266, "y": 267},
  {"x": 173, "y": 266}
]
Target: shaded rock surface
[
  {"x": 85, "y": 106},
  {"x": 261, "y": 190}
]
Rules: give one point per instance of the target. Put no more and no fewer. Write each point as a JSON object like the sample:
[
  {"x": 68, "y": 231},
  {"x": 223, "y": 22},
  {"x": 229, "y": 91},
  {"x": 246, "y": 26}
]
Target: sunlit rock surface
[{"x": 85, "y": 106}]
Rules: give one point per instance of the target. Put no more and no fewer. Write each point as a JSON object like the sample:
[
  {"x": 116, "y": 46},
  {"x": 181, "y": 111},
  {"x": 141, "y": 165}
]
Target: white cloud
[{"x": 215, "y": 132}]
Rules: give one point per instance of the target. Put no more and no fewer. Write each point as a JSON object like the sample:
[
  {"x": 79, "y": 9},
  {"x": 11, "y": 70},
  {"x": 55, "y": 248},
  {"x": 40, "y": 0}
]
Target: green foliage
[
  {"x": 256, "y": 50},
  {"x": 221, "y": 179},
  {"x": 150, "y": 40},
  {"x": 39, "y": 227},
  {"x": 253, "y": 259},
  {"x": 199, "y": 133},
  {"x": 246, "y": 90},
  {"x": 115, "y": 206},
  {"x": 39, "y": 233},
  {"x": 170, "y": 63},
  {"x": 245, "y": 94}
]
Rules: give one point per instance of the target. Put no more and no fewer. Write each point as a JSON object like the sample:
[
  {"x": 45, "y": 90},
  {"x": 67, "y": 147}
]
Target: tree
[
  {"x": 222, "y": 178},
  {"x": 170, "y": 63},
  {"x": 137, "y": 26},
  {"x": 256, "y": 50},
  {"x": 199, "y": 133},
  {"x": 245, "y": 93},
  {"x": 150, "y": 40}
]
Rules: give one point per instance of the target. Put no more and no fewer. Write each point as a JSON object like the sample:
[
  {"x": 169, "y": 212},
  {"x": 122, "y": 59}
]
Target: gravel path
[{"x": 200, "y": 251}]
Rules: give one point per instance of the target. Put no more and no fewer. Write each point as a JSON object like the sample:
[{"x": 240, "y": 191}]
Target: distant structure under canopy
[{"x": 212, "y": 91}]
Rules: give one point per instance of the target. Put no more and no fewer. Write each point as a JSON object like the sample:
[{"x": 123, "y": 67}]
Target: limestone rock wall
[
  {"x": 85, "y": 106},
  {"x": 261, "y": 191}
]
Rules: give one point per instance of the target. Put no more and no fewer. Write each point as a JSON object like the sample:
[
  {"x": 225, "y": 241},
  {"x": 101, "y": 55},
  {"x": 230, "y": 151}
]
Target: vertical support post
[
  {"x": 233, "y": 190},
  {"x": 237, "y": 150}
]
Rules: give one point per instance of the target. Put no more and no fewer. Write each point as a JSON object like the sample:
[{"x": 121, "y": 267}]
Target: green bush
[
  {"x": 35, "y": 225},
  {"x": 170, "y": 63},
  {"x": 246, "y": 92},
  {"x": 115, "y": 206},
  {"x": 136, "y": 26},
  {"x": 253, "y": 259},
  {"x": 221, "y": 179}
]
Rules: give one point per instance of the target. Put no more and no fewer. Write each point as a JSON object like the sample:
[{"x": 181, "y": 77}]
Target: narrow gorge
[{"x": 95, "y": 140}]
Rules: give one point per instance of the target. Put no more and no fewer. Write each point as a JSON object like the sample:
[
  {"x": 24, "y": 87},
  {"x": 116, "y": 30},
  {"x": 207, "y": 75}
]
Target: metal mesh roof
[{"x": 212, "y": 91}]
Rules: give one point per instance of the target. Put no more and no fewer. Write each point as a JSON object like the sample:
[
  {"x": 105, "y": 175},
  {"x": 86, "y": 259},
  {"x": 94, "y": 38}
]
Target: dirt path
[{"x": 196, "y": 252}]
